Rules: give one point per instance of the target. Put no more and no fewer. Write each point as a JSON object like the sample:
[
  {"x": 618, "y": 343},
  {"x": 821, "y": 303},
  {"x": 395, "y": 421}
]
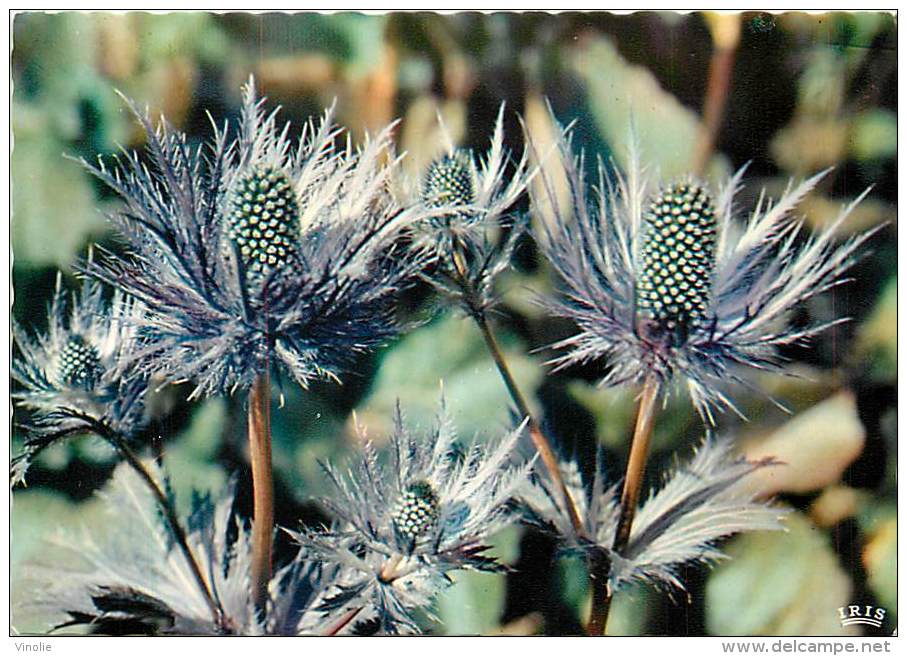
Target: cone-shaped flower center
[
  {"x": 263, "y": 221},
  {"x": 678, "y": 257},
  {"x": 416, "y": 511},
  {"x": 449, "y": 181},
  {"x": 79, "y": 365}
]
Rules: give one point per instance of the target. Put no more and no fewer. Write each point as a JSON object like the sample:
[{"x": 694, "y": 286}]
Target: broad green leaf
[
  {"x": 614, "y": 410},
  {"x": 449, "y": 350},
  {"x": 53, "y": 204},
  {"x": 188, "y": 460},
  {"x": 629, "y": 608},
  {"x": 816, "y": 447},
  {"x": 305, "y": 431},
  {"x": 571, "y": 574},
  {"x": 776, "y": 583},
  {"x": 630, "y": 611},
  {"x": 874, "y": 134},
  {"x": 877, "y": 339},
  {"x": 36, "y": 517},
  {"x": 617, "y": 90},
  {"x": 196, "y": 34},
  {"x": 879, "y": 525},
  {"x": 474, "y": 603}
]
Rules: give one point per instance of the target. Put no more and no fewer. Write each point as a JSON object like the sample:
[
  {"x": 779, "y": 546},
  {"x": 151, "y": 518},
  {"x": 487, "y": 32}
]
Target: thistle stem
[
  {"x": 389, "y": 569},
  {"x": 348, "y": 617},
  {"x": 259, "y": 416},
  {"x": 629, "y": 500},
  {"x": 176, "y": 530},
  {"x": 725, "y": 30},
  {"x": 539, "y": 441},
  {"x": 639, "y": 451},
  {"x": 541, "y": 444}
]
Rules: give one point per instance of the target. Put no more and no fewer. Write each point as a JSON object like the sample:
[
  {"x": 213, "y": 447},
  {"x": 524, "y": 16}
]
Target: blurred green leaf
[
  {"x": 877, "y": 337},
  {"x": 188, "y": 459},
  {"x": 187, "y": 33},
  {"x": 879, "y": 523},
  {"x": 474, "y": 603},
  {"x": 816, "y": 446},
  {"x": 451, "y": 350},
  {"x": 571, "y": 574},
  {"x": 60, "y": 103},
  {"x": 775, "y": 583},
  {"x": 304, "y": 432},
  {"x": 630, "y": 611},
  {"x": 365, "y": 36},
  {"x": 36, "y": 516},
  {"x": 53, "y": 205},
  {"x": 617, "y": 90},
  {"x": 614, "y": 409},
  {"x": 630, "y": 608},
  {"x": 874, "y": 134},
  {"x": 201, "y": 438}
]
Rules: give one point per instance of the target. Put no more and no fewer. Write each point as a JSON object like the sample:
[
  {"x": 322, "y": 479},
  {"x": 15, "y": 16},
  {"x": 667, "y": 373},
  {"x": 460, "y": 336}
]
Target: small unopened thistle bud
[
  {"x": 450, "y": 180},
  {"x": 263, "y": 221},
  {"x": 416, "y": 512},
  {"x": 678, "y": 259},
  {"x": 79, "y": 365}
]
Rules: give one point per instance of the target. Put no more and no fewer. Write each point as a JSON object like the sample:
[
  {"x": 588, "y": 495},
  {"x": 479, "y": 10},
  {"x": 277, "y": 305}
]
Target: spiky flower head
[
  {"x": 678, "y": 261},
  {"x": 73, "y": 375},
  {"x": 664, "y": 284},
  {"x": 263, "y": 224},
  {"x": 258, "y": 251},
  {"x": 681, "y": 523},
  {"x": 471, "y": 227},
  {"x": 131, "y": 579},
  {"x": 404, "y": 519},
  {"x": 79, "y": 365},
  {"x": 416, "y": 510},
  {"x": 451, "y": 182},
  {"x": 466, "y": 194}
]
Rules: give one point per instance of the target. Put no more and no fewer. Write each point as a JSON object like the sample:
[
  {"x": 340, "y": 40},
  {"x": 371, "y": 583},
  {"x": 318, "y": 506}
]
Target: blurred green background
[{"x": 806, "y": 92}]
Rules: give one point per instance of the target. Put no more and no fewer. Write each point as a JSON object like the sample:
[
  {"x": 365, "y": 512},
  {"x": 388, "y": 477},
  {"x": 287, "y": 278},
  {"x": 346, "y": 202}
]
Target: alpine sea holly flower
[
  {"x": 254, "y": 252},
  {"x": 402, "y": 522},
  {"x": 662, "y": 281},
  {"x": 132, "y": 580},
  {"x": 72, "y": 376},
  {"x": 470, "y": 226},
  {"x": 469, "y": 195},
  {"x": 698, "y": 504}
]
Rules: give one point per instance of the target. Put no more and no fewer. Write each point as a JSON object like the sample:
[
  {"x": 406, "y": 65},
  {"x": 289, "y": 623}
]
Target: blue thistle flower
[
  {"x": 470, "y": 227},
  {"x": 467, "y": 197},
  {"x": 403, "y": 522},
  {"x": 664, "y": 284},
  {"x": 73, "y": 377},
  {"x": 255, "y": 252},
  {"x": 451, "y": 182}
]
